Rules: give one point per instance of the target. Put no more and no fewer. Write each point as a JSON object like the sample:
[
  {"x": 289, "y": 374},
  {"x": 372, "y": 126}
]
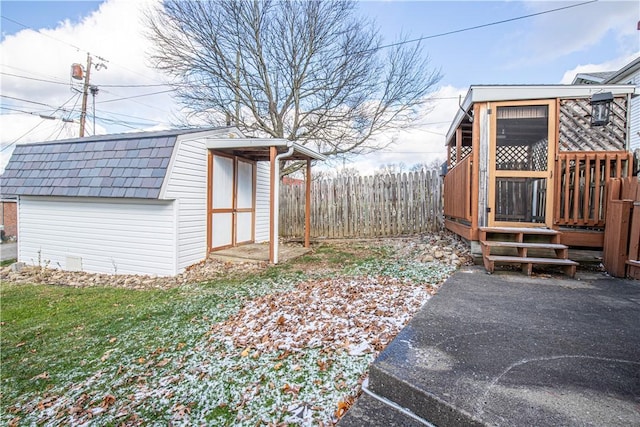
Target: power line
[
  {"x": 135, "y": 117},
  {"x": 23, "y": 135},
  {"x": 33, "y": 78},
  {"x": 42, "y": 121},
  {"x": 64, "y": 122},
  {"x": 154, "y": 85},
  {"x": 38, "y": 103},
  {"x": 29, "y": 71},
  {"x": 42, "y": 34},
  {"x": 136, "y": 96},
  {"x": 33, "y": 113},
  {"x": 461, "y": 30}
]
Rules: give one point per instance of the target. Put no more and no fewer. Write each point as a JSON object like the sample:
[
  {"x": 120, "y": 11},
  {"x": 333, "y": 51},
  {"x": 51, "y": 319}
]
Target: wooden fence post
[{"x": 616, "y": 236}]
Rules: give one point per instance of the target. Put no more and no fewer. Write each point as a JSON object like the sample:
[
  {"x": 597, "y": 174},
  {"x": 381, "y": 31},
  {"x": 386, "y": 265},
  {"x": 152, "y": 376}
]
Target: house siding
[
  {"x": 634, "y": 116},
  {"x": 263, "y": 175},
  {"x": 121, "y": 236},
  {"x": 187, "y": 183}
]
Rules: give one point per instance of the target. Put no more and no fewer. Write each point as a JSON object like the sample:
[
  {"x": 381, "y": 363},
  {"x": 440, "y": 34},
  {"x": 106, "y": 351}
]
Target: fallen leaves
[
  {"x": 343, "y": 406},
  {"x": 361, "y": 315},
  {"x": 107, "y": 401},
  {"x": 42, "y": 376},
  {"x": 163, "y": 362},
  {"x": 291, "y": 389},
  {"x": 106, "y": 355}
]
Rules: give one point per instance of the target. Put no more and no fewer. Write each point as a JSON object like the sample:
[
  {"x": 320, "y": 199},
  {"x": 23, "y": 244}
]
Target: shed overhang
[
  {"x": 490, "y": 93},
  {"x": 258, "y": 148}
]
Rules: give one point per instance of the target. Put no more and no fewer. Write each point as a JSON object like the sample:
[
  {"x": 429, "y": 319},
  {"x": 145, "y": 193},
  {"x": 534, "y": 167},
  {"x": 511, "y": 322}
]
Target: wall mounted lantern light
[{"x": 601, "y": 108}]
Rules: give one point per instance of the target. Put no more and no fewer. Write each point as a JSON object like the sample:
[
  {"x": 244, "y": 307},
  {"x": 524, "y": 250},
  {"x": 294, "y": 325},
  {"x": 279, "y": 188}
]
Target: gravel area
[{"x": 444, "y": 248}]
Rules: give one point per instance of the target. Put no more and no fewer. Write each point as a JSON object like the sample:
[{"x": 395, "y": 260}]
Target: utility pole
[
  {"x": 85, "y": 94},
  {"x": 94, "y": 91}
]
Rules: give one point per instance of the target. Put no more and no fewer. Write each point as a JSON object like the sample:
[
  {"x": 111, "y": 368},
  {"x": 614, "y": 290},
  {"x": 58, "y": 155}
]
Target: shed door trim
[{"x": 230, "y": 208}]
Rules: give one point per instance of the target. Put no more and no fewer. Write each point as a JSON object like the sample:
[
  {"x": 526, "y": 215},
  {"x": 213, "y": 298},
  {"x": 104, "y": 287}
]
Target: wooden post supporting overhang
[
  {"x": 272, "y": 203},
  {"x": 307, "y": 207}
]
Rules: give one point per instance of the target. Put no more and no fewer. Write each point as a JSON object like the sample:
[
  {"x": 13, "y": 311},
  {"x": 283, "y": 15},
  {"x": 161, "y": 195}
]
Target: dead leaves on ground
[{"x": 359, "y": 315}]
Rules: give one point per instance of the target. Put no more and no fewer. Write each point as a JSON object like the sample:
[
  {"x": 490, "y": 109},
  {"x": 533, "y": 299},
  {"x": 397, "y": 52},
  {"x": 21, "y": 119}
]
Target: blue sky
[{"x": 543, "y": 49}]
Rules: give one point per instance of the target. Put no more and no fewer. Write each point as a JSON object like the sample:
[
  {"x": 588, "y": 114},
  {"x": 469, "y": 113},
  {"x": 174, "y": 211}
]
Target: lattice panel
[
  {"x": 577, "y": 134},
  {"x": 452, "y": 156},
  {"x": 512, "y": 157},
  {"x": 539, "y": 159},
  {"x": 465, "y": 150}
]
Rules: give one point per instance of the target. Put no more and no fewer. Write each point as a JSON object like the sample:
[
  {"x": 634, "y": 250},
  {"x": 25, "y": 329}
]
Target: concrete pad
[
  {"x": 507, "y": 349},
  {"x": 372, "y": 412},
  {"x": 259, "y": 252}
]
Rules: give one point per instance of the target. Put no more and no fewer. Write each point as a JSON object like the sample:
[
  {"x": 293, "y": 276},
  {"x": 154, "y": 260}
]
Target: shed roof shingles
[{"x": 116, "y": 168}]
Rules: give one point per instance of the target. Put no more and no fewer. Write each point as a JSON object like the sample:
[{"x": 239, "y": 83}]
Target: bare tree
[
  {"x": 434, "y": 164},
  {"x": 391, "y": 169},
  {"x": 313, "y": 72}
]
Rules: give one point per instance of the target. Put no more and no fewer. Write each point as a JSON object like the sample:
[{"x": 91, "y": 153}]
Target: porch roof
[
  {"x": 258, "y": 148},
  {"x": 498, "y": 93}
]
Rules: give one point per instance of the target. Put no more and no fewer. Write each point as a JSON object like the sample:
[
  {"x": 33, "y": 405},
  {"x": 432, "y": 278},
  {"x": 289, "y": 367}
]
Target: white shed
[{"x": 146, "y": 203}]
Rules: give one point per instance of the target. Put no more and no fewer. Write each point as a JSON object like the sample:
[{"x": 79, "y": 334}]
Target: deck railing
[
  {"x": 457, "y": 191},
  {"x": 582, "y": 182}
]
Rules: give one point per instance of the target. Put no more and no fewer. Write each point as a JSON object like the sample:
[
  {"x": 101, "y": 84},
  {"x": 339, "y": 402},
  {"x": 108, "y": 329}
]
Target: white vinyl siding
[
  {"x": 187, "y": 182},
  {"x": 262, "y": 202},
  {"x": 634, "y": 122},
  {"x": 123, "y": 236}
]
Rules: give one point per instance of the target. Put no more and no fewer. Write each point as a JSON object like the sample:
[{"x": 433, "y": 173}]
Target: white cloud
[
  {"x": 612, "y": 65},
  {"x": 558, "y": 34}
]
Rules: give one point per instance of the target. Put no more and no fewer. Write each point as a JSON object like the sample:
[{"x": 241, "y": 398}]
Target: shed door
[
  {"x": 232, "y": 198},
  {"x": 523, "y": 144}
]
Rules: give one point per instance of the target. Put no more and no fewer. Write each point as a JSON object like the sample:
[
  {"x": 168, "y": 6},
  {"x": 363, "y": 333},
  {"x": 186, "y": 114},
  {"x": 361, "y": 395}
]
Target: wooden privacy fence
[
  {"x": 621, "y": 251},
  {"x": 372, "y": 206}
]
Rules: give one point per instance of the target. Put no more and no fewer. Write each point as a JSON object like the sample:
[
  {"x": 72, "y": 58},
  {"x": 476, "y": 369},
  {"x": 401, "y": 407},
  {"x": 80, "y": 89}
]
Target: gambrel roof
[{"x": 122, "y": 165}]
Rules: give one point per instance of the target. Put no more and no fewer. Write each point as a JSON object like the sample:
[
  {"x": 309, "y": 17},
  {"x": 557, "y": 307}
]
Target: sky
[{"x": 479, "y": 42}]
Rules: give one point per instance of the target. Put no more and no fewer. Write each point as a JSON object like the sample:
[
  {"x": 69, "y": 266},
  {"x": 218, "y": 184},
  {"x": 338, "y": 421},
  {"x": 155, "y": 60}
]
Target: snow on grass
[{"x": 272, "y": 351}]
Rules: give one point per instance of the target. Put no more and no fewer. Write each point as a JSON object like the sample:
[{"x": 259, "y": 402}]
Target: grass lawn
[{"x": 107, "y": 356}]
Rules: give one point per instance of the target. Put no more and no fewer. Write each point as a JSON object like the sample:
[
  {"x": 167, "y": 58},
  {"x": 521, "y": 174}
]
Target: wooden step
[
  {"x": 519, "y": 230},
  {"x": 496, "y": 243},
  {"x": 527, "y": 263},
  {"x": 562, "y": 251}
]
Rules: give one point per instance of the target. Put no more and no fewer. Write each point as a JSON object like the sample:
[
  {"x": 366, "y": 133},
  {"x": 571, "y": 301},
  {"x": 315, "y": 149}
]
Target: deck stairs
[{"x": 524, "y": 246}]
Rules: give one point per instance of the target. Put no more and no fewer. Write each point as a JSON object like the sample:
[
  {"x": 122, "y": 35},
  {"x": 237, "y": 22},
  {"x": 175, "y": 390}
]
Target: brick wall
[{"x": 9, "y": 212}]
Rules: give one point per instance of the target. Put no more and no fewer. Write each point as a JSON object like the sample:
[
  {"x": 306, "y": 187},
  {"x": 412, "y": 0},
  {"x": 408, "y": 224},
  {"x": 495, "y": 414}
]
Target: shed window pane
[{"x": 222, "y": 182}]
